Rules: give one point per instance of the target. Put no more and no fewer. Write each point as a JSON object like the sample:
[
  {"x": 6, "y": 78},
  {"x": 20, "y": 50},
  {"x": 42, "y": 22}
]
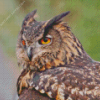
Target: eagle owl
[{"x": 55, "y": 65}]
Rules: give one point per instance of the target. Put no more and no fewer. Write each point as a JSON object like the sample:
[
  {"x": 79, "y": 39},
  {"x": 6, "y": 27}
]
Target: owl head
[{"x": 46, "y": 44}]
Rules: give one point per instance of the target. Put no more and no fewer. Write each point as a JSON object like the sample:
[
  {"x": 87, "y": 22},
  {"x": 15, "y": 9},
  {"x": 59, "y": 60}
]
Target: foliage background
[{"x": 84, "y": 20}]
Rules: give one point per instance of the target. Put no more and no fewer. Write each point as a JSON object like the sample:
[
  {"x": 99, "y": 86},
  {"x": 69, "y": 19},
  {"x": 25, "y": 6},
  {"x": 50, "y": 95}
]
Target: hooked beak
[{"x": 29, "y": 53}]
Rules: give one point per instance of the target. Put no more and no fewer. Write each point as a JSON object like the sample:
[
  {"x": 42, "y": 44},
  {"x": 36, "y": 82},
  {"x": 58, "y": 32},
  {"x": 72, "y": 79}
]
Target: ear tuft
[
  {"x": 54, "y": 20},
  {"x": 57, "y": 18},
  {"x": 29, "y": 18}
]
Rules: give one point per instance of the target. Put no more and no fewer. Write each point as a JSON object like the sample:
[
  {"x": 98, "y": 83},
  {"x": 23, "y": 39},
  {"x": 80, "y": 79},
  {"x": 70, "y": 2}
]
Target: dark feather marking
[
  {"x": 78, "y": 51},
  {"x": 45, "y": 80},
  {"x": 72, "y": 55},
  {"x": 48, "y": 89}
]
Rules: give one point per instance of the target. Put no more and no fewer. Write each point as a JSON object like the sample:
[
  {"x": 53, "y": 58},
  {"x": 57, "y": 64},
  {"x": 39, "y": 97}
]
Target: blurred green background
[{"x": 84, "y": 21}]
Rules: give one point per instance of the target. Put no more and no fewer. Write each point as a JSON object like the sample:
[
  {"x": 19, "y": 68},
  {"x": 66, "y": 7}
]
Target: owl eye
[
  {"x": 45, "y": 40},
  {"x": 23, "y": 43}
]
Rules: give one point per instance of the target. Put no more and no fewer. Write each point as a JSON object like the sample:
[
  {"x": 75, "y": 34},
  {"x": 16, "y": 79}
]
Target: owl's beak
[{"x": 29, "y": 53}]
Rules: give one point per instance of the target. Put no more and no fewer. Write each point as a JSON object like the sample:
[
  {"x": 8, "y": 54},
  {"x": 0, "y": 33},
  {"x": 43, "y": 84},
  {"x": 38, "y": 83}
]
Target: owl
[{"x": 55, "y": 65}]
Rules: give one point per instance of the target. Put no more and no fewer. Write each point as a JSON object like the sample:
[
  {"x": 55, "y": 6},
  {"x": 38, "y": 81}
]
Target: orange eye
[
  {"x": 23, "y": 42},
  {"x": 45, "y": 41}
]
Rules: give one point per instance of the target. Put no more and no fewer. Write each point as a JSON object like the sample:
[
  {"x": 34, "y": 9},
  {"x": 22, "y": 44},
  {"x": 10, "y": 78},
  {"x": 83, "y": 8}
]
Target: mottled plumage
[{"x": 58, "y": 70}]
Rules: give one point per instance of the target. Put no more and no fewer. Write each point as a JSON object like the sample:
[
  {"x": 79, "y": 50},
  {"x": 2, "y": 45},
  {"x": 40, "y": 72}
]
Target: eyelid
[{"x": 49, "y": 36}]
